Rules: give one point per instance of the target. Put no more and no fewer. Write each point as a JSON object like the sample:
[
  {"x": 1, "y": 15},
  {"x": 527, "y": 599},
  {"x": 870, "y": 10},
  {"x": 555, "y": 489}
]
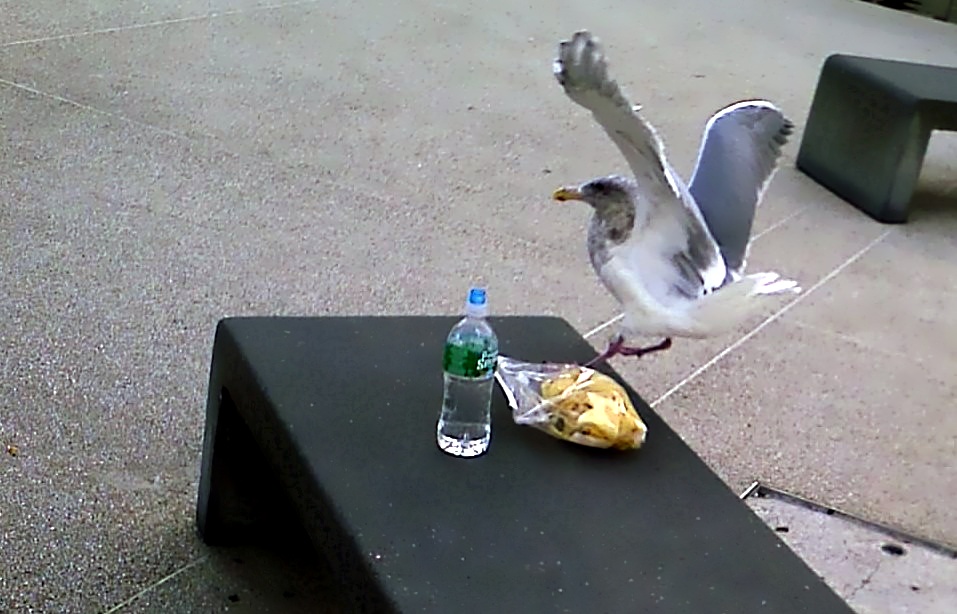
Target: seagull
[{"x": 673, "y": 254}]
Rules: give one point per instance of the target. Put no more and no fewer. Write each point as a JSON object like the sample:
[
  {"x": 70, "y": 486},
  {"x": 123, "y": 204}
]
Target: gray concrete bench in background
[{"x": 868, "y": 129}]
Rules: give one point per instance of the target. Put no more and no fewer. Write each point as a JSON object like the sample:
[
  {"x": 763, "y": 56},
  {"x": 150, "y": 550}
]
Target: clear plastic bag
[{"x": 572, "y": 403}]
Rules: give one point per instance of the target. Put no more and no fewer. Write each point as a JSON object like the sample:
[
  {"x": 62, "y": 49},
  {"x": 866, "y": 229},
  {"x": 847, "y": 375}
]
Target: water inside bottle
[{"x": 463, "y": 428}]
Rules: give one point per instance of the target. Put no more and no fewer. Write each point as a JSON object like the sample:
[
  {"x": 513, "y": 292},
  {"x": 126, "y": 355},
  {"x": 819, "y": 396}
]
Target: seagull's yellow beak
[{"x": 563, "y": 194}]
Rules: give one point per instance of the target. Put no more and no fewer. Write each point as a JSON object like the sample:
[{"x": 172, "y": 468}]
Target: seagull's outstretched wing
[
  {"x": 582, "y": 71},
  {"x": 739, "y": 153}
]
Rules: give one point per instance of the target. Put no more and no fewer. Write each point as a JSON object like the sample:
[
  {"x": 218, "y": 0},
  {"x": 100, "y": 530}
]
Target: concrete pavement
[{"x": 163, "y": 166}]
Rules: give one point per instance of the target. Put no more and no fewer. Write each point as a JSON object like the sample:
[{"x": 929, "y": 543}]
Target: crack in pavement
[{"x": 867, "y": 580}]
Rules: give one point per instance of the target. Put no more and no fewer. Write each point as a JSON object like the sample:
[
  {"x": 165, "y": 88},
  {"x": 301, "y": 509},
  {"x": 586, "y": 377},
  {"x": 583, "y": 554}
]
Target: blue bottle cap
[
  {"x": 477, "y": 296},
  {"x": 477, "y": 303}
]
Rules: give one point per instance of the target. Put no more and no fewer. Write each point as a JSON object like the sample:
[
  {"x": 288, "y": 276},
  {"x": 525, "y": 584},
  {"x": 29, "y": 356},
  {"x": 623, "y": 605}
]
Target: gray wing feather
[
  {"x": 739, "y": 154},
  {"x": 693, "y": 259},
  {"x": 582, "y": 70}
]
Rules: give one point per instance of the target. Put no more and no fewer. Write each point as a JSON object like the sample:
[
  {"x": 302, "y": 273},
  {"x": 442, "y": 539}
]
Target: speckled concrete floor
[
  {"x": 166, "y": 164},
  {"x": 873, "y": 570}
]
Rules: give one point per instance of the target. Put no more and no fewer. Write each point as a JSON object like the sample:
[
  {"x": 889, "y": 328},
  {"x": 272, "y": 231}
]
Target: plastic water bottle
[{"x": 471, "y": 352}]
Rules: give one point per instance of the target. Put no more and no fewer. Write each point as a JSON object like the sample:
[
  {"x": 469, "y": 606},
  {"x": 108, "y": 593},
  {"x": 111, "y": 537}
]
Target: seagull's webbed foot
[
  {"x": 617, "y": 347},
  {"x": 629, "y": 351}
]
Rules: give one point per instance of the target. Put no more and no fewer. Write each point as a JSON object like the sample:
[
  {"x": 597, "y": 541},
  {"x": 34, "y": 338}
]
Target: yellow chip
[{"x": 592, "y": 409}]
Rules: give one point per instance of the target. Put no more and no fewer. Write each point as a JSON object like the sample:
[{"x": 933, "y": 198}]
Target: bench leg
[
  {"x": 864, "y": 141},
  {"x": 240, "y": 501}
]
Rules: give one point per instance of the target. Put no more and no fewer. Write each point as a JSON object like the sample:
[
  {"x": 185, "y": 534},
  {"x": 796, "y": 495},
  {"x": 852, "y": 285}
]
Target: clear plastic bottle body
[{"x": 471, "y": 351}]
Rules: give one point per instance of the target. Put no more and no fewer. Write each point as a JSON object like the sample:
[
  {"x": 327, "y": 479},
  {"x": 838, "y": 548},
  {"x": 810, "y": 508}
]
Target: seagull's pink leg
[
  {"x": 617, "y": 347},
  {"x": 614, "y": 347}
]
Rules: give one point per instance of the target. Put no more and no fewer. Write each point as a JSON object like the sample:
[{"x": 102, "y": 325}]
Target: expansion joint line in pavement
[
  {"x": 119, "y": 606},
  {"x": 157, "y": 23}
]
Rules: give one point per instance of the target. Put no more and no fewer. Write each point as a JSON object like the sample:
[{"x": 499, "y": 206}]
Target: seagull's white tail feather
[
  {"x": 771, "y": 283},
  {"x": 730, "y": 305}
]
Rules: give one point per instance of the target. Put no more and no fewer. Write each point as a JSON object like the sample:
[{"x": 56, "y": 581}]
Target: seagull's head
[{"x": 605, "y": 194}]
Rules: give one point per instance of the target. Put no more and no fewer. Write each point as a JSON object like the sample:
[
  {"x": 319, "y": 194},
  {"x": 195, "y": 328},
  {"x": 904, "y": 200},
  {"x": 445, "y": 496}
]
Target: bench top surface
[
  {"x": 924, "y": 81},
  {"x": 536, "y": 524}
]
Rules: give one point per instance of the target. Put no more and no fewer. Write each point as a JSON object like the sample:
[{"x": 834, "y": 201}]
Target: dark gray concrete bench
[
  {"x": 868, "y": 129},
  {"x": 323, "y": 430}
]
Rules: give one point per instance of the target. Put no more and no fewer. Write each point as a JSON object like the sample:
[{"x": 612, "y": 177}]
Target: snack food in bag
[{"x": 571, "y": 402}]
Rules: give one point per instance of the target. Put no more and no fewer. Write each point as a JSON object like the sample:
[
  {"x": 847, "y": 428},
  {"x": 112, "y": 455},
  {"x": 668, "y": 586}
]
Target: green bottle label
[{"x": 468, "y": 360}]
